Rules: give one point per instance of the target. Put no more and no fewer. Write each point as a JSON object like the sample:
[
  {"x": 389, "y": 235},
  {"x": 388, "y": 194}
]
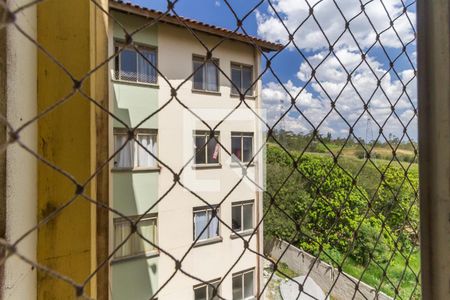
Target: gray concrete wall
[{"x": 322, "y": 273}]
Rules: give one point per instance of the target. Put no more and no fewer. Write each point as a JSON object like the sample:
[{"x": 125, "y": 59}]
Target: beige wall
[
  {"x": 21, "y": 174},
  {"x": 176, "y": 48}
]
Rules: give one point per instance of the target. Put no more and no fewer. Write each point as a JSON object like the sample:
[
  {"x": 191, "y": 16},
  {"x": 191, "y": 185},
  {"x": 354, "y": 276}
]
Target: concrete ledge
[{"x": 342, "y": 285}]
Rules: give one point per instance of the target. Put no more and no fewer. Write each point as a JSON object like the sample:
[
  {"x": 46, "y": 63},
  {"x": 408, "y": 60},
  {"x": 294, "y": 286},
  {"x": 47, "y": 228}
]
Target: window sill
[
  {"x": 214, "y": 240},
  {"x": 206, "y": 166},
  {"x": 247, "y": 232},
  {"x": 243, "y": 164},
  {"x": 136, "y": 83},
  {"x": 150, "y": 254},
  {"x": 205, "y": 92},
  {"x": 250, "y": 97},
  {"x": 136, "y": 170}
]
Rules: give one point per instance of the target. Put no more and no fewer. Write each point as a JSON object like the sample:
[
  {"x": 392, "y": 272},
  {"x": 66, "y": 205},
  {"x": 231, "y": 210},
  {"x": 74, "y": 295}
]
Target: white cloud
[
  {"x": 294, "y": 13},
  {"x": 349, "y": 96},
  {"x": 332, "y": 69}
]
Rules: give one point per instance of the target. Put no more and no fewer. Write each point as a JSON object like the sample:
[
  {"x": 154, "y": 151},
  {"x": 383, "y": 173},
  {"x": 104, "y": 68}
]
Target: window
[
  {"x": 133, "y": 66},
  {"x": 206, "y": 76},
  {"x": 135, "y": 245},
  {"x": 243, "y": 285},
  {"x": 208, "y": 154},
  {"x": 134, "y": 155},
  {"x": 205, "y": 291},
  {"x": 242, "y": 146},
  {"x": 242, "y": 77},
  {"x": 201, "y": 219},
  {"x": 242, "y": 216}
]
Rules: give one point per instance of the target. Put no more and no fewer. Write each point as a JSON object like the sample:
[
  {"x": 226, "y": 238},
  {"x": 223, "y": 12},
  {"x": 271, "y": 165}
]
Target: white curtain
[
  {"x": 123, "y": 159},
  {"x": 122, "y": 230},
  {"x": 149, "y": 143},
  {"x": 211, "y": 77},
  {"x": 201, "y": 219},
  {"x": 147, "y": 229},
  {"x": 146, "y": 73},
  {"x": 213, "y": 226}
]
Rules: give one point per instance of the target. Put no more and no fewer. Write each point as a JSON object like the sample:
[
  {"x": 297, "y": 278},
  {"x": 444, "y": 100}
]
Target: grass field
[{"x": 398, "y": 276}]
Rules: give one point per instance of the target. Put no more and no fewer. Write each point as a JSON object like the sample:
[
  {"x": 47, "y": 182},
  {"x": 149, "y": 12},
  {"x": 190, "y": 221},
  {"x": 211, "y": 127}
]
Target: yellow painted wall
[{"x": 67, "y": 139}]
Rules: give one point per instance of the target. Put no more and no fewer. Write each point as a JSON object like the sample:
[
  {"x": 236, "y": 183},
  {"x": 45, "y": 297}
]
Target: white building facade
[{"x": 194, "y": 174}]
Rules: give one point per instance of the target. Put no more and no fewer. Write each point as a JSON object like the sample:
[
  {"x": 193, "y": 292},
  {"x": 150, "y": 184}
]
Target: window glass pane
[
  {"x": 200, "y": 221},
  {"x": 236, "y": 79},
  {"x": 146, "y": 73},
  {"x": 236, "y": 222},
  {"x": 122, "y": 230},
  {"x": 237, "y": 287},
  {"x": 247, "y": 79},
  {"x": 200, "y": 293},
  {"x": 216, "y": 285},
  {"x": 248, "y": 216},
  {"x": 248, "y": 285},
  {"x": 148, "y": 229},
  {"x": 213, "y": 228},
  {"x": 123, "y": 159},
  {"x": 128, "y": 65},
  {"x": 248, "y": 148},
  {"x": 118, "y": 239},
  {"x": 116, "y": 64},
  {"x": 200, "y": 151},
  {"x": 149, "y": 143},
  {"x": 236, "y": 146},
  {"x": 213, "y": 151},
  {"x": 198, "y": 76},
  {"x": 211, "y": 77}
]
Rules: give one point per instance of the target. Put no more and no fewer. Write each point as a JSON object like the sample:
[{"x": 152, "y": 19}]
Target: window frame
[
  {"x": 242, "y": 135},
  {"x": 117, "y": 61},
  {"x": 241, "y": 274},
  {"x": 207, "y": 286},
  {"x": 241, "y": 204},
  {"x": 205, "y": 209},
  {"x": 241, "y": 66},
  {"x": 121, "y": 220},
  {"x": 205, "y": 133},
  {"x": 136, "y": 146},
  {"x": 204, "y": 61}
]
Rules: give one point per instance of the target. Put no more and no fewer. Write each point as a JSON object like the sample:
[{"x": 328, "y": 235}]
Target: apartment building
[{"x": 167, "y": 105}]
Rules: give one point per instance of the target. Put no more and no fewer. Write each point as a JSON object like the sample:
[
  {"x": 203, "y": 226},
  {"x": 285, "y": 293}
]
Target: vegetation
[{"x": 356, "y": 214}]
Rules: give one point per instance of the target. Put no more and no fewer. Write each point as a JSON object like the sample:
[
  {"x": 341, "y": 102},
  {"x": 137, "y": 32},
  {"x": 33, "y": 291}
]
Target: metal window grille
[{"x": 390, "y": 180}]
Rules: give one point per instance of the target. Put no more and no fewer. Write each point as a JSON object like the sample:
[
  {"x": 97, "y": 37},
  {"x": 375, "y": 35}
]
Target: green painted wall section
[
  {"x": 135, "y": 192},
  {"x": 147, "y": 36},
  {"x": 133, "y": 103},
  {"x": 135, "y": 279}
]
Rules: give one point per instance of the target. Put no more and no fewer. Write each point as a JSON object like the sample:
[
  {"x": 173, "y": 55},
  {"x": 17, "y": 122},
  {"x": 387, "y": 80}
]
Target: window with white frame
[
  {"x": 243, "y": 287},
  {"x": 242, "y": 146},
  {"x": 202, "y": 218},
  {"x": 206, "y": 76},
  {"x": 135, "y": 245},
  {"x": 205, "y": 291},
  {"x": 206, "y": 149},
  {"x": 242, "y": 78},
  {"x": 242, "y": 216},
  {"x": 135, "y": 154},
  {"x": 131, "y": 65}
]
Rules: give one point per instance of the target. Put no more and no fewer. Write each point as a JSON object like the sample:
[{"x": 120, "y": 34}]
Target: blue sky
[{"x": 294, "y": 72}]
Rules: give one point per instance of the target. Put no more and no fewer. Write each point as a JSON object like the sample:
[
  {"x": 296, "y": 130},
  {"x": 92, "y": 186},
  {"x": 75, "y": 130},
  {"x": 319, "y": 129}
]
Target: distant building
[{"x": 177, "y": 138}]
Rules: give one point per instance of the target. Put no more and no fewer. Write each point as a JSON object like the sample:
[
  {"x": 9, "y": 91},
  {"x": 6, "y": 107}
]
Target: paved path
[{"x": 289, "y": 290}]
